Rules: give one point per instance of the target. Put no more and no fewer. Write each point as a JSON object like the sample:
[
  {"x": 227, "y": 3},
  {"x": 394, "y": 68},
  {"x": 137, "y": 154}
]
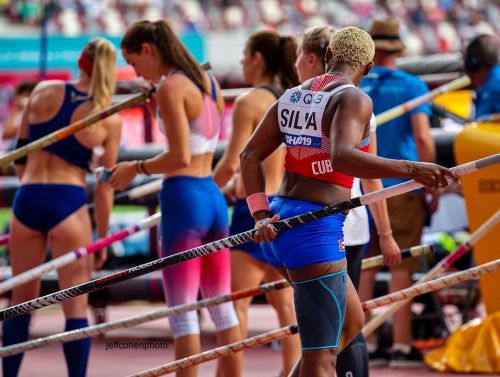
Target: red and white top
[{"x": 300, "y": 116}]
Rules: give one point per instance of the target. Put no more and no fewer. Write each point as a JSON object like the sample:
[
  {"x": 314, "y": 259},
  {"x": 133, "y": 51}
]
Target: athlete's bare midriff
[
  {"x": 295, "y": 186},
  {"x": 45, "y": 167},
  {"x": 200, "y": 166}
]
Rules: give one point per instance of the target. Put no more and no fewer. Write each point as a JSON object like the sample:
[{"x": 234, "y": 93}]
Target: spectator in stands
[
  {"x": 481, "y": 65},
  {"x": 13, "y": 121},
  {"x": 406, "y": 137}
]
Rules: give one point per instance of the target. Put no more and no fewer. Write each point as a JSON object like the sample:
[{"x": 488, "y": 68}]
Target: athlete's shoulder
[
  {"x": 354, "y": 94},
  {"x": 47, "y": 92},
  {"x": 47, "y": 86}
]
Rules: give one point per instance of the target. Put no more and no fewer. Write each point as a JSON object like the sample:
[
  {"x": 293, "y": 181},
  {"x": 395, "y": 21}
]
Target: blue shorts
[
  {"x": 193, "y": 212},
  {"x": 319, "y": 241},
  {"x": 242, "y": 221},
  {"x": 42, "y": 206}
]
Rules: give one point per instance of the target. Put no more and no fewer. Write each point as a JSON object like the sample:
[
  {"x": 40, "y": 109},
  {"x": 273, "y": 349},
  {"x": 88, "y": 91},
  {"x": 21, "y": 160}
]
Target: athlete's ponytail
[
  {"x": 102, "y": 79},
  {"x": 279, "y": 55},
  {"x": 288, "y": 53}
]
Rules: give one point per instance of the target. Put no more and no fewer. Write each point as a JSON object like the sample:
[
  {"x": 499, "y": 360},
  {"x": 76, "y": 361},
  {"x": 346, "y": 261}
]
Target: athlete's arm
[
  {"x": 22, "y": 133},
  {"x": 264, "y": 141},
  {"x": 353, "y": 112},
  {"x": 243, "y": 124},
  {"x": 388, "y": 246},
  {"x": 103, "y": 191}
]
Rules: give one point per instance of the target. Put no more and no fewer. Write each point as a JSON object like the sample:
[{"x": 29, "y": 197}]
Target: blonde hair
[
  {"x": 352, "y": 46},
  {"x": 102, "y": 81},
  {"x": 315, "y": 40}
]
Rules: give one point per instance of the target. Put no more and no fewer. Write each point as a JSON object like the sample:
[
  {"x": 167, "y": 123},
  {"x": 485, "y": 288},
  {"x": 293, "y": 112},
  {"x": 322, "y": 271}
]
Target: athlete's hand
[
  {"x": 265, "y": 231},
  {"x": 150, "y": 102},
  {"x": 432, "y": 176},
  {"x": 100, "y": 257},
  {"x": 123, "y": 173},
  {"x": 432, "y": 200},
  {"x": 229, "y": 192},
  {"x": 390, "y": 249}
]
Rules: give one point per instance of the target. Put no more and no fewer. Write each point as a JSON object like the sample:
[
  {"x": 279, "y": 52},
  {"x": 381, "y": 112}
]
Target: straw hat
[{"x": 385, "y": 34}]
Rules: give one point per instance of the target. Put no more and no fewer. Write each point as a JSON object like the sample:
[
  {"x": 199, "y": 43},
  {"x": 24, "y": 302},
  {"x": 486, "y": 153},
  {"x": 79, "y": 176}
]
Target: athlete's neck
[
  {"x": 82, "y": 83},
  {"x": 350, "y": 73},
  {"x": 263, "y": 80}
]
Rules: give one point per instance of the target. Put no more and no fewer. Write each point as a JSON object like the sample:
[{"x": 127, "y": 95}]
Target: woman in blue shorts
[
  {"x": 268, "y": 64},
  {"x": 188, "y": 108},
  {"x": 50, "y": 205},
  {"x": 325, "y": 124}
]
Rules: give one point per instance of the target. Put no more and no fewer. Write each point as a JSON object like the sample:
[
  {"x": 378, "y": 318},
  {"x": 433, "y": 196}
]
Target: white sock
[
  {"x": 401, "y": 347},
  {"x": 371, "y": 347}
]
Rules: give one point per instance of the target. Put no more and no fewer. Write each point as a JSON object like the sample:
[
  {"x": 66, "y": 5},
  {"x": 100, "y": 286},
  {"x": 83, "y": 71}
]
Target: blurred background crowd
[{"x": 428, "y": 26}]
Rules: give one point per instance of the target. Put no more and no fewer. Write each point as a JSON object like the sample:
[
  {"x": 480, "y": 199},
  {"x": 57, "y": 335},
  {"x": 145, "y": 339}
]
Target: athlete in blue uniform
[
  {"x": 268, "y": 65},
  {"x": 193, "y": 209},
  {"x": 325, "y": 117},
  {"x": 49, "y": 206}
]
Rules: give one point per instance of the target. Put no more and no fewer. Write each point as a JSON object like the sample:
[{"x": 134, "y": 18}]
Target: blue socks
[
  {"x": 15, "y": 330},
  {"x": 353, "y": 360},
  {"x": 77, "y": 351}
]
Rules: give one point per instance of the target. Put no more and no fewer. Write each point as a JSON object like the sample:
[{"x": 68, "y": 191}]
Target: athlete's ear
[
  {"x": 146, "y": 48},
  {"x": 312, "y": 58},
  {"x": 258, "y": 57}
]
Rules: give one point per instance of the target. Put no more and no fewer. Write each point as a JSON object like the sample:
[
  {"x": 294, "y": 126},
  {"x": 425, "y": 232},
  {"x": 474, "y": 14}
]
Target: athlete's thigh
[
  {"x": 281, "y": 299},
  {"x": 246, "y": 271},
  {"x": 73, "y": 232},
  {"x": 26, "y": 251},
  {"x": 354, "y": 310}
]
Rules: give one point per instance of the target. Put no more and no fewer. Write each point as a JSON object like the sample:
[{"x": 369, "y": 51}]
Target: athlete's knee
[
  {"x": 320, "y": 362},
  {"x": 224, "y": 316},
  {"x": 286, "y": 312}
]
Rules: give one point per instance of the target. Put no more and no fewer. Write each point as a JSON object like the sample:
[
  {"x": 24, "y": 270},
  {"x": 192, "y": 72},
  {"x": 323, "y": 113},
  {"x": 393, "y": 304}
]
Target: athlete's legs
[
  {"x": 73, "y": 232},
  {"x": 320, "y": 361},
  {"x": 181, "y": 284},
  {"x": 352, "y": 361},
  {"x": 401, "y": 279},
  {"x": 27, "y": 250},
  {"x": 216, "y": 281},
  {"x": 282, "y": 301},
  {"x": 246, "y": 272}
]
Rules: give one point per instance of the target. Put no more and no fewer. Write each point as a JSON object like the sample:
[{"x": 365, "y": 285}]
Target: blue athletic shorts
[
  {"x": 42, "y": 206},
  {"x": 242, "y": 221},
  {"x": 319, "y": 241}
]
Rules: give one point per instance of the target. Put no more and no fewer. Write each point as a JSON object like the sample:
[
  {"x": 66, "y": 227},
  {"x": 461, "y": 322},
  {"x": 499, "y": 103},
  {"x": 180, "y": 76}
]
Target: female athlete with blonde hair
[{"x": 49, "y": 207}]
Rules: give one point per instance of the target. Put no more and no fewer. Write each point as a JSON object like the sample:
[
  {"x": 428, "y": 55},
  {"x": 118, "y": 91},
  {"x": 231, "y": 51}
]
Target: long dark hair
[
  {"x": 279, "y": 54},
  {"x": 172, "y": 52}
]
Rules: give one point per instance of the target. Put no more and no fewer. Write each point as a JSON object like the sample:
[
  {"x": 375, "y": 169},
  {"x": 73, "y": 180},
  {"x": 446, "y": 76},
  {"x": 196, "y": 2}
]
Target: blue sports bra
[{"x": 69, "y": 149}]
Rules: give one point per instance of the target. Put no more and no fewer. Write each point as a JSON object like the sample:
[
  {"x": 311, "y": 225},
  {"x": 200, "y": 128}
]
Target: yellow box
[
  {"x": 481, "y": 191},
  {"x": 458, "y": 102}
]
